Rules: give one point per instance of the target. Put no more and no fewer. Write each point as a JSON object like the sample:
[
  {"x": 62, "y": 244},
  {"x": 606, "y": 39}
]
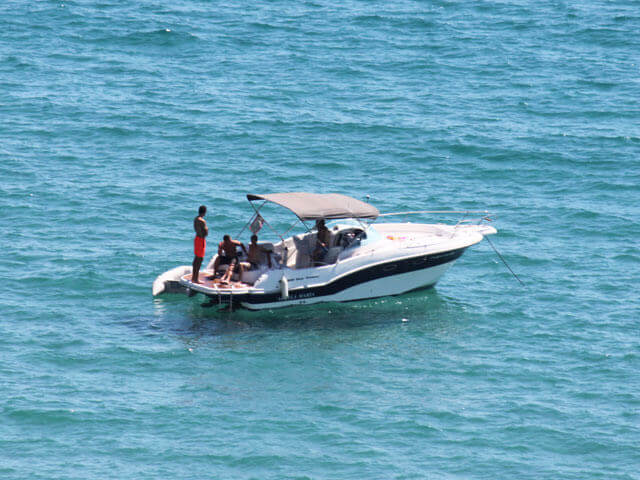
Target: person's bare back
[
  {"x": 228, "y": 246},
  {"x": 255, "y": 251},
  {"x": 200, "y": 226}
]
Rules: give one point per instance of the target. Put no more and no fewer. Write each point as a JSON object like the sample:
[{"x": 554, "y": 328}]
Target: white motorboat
[{"x": 363, "y": 259}]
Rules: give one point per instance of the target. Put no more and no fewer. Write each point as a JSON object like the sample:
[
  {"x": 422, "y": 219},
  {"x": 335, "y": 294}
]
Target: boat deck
[{"x": 206, "y": 280}]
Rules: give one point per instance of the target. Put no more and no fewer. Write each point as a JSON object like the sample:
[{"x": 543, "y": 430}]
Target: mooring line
[{"x": 503, "y": 260}]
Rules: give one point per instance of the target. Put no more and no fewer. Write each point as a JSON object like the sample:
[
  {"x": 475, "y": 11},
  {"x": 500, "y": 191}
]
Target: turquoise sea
[{"x": 117, "y": 119}]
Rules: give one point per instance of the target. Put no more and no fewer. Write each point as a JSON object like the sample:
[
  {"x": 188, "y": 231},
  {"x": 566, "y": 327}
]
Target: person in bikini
[
  {"x": 227, "y": 255},
  {"x": 199, "y": 243}
]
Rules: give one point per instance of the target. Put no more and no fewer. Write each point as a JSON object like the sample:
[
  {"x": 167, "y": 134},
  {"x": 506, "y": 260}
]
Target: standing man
[{"x": 199, "y": 243}]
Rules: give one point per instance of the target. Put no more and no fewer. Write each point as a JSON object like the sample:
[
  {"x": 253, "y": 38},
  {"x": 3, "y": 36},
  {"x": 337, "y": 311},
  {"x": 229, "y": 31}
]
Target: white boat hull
[
  {"x": 396, "y": 259},
  {"x": 382, "y": 287}
]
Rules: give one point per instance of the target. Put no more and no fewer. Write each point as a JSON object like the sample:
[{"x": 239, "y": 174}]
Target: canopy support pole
[
  {"x": 252, "y": 218},
  {"x": 265, "y": 221}
]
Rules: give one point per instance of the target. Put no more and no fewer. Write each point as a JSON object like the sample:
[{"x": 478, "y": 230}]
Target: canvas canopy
[{"x": 314, "y": 206}]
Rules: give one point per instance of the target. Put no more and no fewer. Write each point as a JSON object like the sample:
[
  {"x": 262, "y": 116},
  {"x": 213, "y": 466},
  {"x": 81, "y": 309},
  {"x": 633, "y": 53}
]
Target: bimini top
[{"x": 314, "y": 206}]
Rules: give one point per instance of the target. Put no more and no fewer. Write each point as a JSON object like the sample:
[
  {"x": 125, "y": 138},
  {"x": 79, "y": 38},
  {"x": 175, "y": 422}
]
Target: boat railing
[{"x": 484, "y": 215}]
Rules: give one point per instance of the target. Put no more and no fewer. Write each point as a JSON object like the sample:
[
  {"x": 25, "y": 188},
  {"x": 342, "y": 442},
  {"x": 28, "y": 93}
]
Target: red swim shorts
[{"x": 199, "y": 246}]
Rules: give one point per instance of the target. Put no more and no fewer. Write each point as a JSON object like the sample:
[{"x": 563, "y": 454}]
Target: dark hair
[
  {"x": 254, "y": 237},
  {"x": 226, "y": 237},
  {"x": 202, "y": 210}
]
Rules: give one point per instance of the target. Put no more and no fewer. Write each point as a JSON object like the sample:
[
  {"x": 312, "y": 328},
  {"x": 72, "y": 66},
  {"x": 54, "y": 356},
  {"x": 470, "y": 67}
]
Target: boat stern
[{"x": 169, "y": 281}]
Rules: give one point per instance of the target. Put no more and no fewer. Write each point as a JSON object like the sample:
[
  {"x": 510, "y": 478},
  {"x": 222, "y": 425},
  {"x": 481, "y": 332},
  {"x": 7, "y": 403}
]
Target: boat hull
[
  {"x": 391, "y": 259},
  {"x": 395, "y": 284},
  {"x": 382, "y": 279}
]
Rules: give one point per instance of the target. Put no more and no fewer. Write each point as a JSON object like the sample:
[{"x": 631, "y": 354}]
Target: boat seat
[
  {"x": 292, "y": 257},
  {"x": 300, "y": 255},
  {"x": 304, "y": 246},
  {"x": 263, "y": 256},
  {"x": 250, "y": 276},
  {"x": 333, "y": 238},
  {"x": 268, "y": 246},
  {"x": 332, "y": 255}
]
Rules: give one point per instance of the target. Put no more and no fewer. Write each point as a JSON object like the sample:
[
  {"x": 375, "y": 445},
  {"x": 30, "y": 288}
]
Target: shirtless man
[
  {"x": 227, "y": 255},
  {"x": 199, "y": 242},
  {"x": 254, "y": 252},
  {"x": 322, "y": 242}
]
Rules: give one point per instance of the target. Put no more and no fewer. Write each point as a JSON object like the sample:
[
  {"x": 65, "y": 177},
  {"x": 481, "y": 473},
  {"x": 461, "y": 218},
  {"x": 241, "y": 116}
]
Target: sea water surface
[{"x": 118, "y": 119}]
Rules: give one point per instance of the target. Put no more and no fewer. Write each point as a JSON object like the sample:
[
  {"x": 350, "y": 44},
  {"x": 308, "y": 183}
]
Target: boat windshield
[
  {"x": 373, "y": 236},
  {"x": 369, "y": 236}
]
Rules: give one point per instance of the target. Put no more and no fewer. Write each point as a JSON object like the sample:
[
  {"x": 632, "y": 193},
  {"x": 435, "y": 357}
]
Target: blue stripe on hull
[{"x": 375, "y": 272}]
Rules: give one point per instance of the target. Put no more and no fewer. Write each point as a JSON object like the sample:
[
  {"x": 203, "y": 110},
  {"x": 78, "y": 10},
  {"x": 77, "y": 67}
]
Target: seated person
[
  {"x": 254, "y": 253},
  {"x": 227, "y": 255},
  {"x": 322, "y": 242}
]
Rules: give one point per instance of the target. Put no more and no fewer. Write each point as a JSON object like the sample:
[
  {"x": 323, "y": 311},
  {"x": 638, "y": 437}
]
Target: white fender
[
  {"x": 284, "y": 288},
  {"x": 168, "y": 281}
]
